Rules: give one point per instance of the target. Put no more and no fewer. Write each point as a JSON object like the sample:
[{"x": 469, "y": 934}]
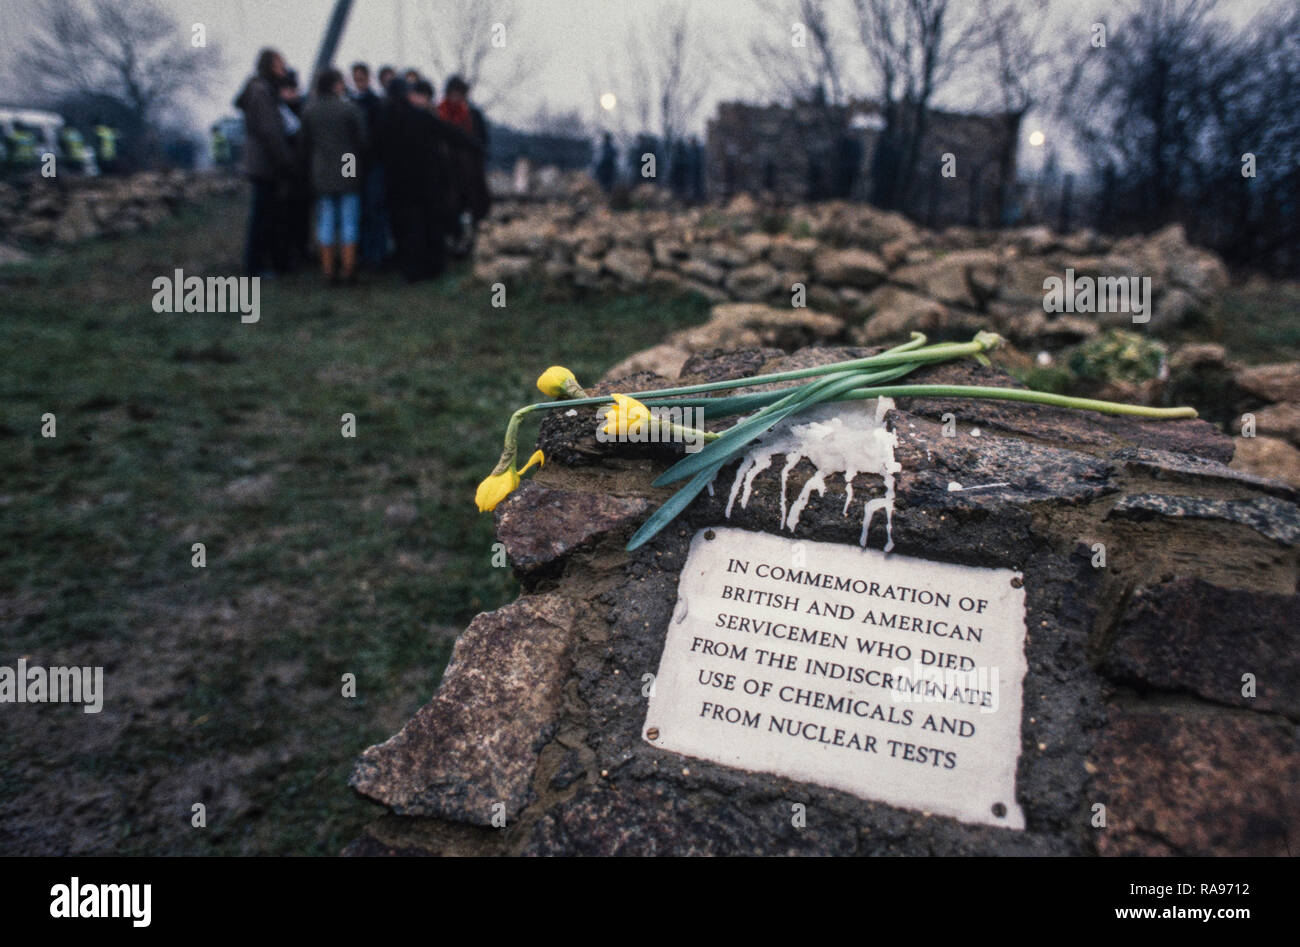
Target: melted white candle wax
[{"x": 848, "y": 438}]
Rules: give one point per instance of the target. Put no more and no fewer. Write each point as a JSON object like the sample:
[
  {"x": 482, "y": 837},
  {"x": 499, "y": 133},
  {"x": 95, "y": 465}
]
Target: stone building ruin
[{"x": 813, "y": 151}]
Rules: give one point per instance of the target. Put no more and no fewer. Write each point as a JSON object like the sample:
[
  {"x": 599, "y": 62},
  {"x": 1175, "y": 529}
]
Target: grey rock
[
  {"x": 1187, "y": 468},
  {"x": 1191, "y": 636},
  {"x": 630, "y": 267},
  {"x": 1277, "y": 382},
  {"x": 476, "y": 743},
  {"x": 755, "y": 282},
  {"x": 540, "y": 526},
  {"x": 1269, "y": 457},
  {"x": 1280, "y": 420},
  {"x": 860, "y": 269},
  {"x": 1052, "y": 477},
  {"x": 1196, "y": 785},
  {"x": 1268, "y": 516}
]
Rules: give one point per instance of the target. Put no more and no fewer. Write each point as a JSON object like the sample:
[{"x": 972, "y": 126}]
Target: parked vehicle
[{"x": 27, "y": 135}]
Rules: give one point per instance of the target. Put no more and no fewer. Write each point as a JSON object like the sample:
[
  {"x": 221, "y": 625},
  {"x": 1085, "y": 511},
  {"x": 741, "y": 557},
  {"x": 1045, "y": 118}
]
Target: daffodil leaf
[
  {"x": 725, "y": 447},
  {"x": 713, "y": 408},
  {"x": 676, "y": 503}
]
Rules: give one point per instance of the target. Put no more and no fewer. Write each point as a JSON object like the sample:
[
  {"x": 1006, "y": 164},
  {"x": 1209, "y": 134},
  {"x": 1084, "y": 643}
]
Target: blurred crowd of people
[
  {"x": 684, "y": 157},
  {"x": 390, "y": 176}
]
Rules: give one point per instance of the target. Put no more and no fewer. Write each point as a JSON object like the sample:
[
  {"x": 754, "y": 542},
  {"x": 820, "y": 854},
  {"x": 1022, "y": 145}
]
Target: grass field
[{"x": 325, "y": 555}]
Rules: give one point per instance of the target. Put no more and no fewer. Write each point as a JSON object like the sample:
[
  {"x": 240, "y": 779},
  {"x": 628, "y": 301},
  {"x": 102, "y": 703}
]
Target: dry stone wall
[
  {"x": 853, "y": 262},
  {"x": 67, "y": 210}
]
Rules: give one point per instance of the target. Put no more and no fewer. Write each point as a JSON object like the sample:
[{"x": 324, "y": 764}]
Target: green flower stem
[
  {"x": 1017, "y": 394},
  {"x": 512, "y": 432},
  {"x": 908, "y": 352},
  {"x": 512, "y": 429},
  {"x": 911, "y": 354}
]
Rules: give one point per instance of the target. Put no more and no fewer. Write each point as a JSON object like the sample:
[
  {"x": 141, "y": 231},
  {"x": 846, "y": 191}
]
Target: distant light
[
  {"x": 1037, "y": 138},
  {"x": 608, "y": 101},
  {"x": 861, "y": 122}
]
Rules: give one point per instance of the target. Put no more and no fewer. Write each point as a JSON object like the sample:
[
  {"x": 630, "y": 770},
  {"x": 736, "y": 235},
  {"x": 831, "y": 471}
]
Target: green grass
[
  {"x": 158, "y": 414},
  {"x": 1256, "y": 323}
]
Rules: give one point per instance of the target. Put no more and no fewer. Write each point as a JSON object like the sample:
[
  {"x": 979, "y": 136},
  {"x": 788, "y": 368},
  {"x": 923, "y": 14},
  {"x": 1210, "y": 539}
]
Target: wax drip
[{"x": 845, "y": 438}]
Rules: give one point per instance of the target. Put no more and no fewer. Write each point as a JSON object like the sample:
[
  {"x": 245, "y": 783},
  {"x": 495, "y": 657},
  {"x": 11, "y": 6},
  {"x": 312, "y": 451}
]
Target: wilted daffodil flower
[
  {"x": 558, "y": 382},
  {"x": 870, "y": 377},
  {"x": 625, "y": 415},
  {"x": 503, "y": 480}
]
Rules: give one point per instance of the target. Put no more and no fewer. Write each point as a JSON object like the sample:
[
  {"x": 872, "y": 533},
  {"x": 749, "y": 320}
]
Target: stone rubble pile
[
  {"x": 1271, "y": 397},
  {"x": 873, "y": 269},
  {"x": 68, "y": 210}
]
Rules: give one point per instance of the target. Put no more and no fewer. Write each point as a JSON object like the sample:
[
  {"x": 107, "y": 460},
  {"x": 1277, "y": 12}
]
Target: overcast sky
[
  {"x": 570, "y": 41},
  {"x": 577, "y": 47}
]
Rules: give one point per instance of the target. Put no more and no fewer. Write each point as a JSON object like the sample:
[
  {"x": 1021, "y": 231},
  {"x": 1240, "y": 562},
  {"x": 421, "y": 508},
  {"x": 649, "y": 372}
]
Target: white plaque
[{"x": 889, "y": 677}]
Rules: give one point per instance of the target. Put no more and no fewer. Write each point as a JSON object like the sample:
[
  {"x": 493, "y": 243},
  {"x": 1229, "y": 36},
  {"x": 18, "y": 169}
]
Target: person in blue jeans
[
  {"x": 334, "y": 139},
  {"x": 338, "y": 224}
]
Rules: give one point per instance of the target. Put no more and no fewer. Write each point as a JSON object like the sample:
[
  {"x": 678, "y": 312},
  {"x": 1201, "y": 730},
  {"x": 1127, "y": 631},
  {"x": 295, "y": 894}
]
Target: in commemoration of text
[{"x": 893, "y": 678}]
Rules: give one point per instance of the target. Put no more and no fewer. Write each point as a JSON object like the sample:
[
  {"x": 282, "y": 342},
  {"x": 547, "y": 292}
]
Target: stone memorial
[{"x": 934, "y": 626}]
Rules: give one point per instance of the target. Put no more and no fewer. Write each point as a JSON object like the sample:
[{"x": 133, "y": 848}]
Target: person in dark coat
[
  {"x": 293, "y": 193},
  {"x": 456, "y": 108},
  {"x": 679, "y": 171},
  {"x": 607, "y": 164},
  {"x": 267, "y": 156},
  {"x": 334, "y": 139},
  {"x": 374, "y": 212},
  {"x": 468, "y": 193},
  {"x": 418, "y": 176},
  {"x": 468, "y": 136}
]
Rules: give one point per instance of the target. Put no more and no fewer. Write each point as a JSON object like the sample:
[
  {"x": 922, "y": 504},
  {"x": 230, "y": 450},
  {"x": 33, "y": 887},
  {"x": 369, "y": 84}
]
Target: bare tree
[
  {"x": 1140, "y": 103},
  {"x": 660, "y": 76},
  {"x": 1016, "y": 54},
  {"x": 1184, "y": 118},
  {"x": 130, "y": 50},
  {"x": 915, "y": 47},
  {"x": 678, "y": 73},
  {"x": 482, "y": 42},
  {"x": 802, "y": 57}
]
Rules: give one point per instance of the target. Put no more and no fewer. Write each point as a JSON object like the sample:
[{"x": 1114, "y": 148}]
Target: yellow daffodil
[
  {"x": 502, "y": 482},
  {"x": 625, "y": 415},
  {"x": 558, "y": 382}
]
